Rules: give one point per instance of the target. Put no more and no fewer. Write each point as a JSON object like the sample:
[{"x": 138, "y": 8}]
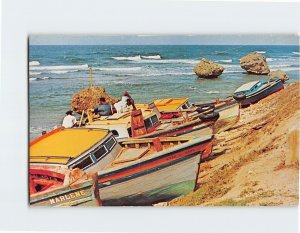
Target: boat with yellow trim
[
  {"x": 132, "y": 172},
  {"x": 228, "y": 110},
  {"x": 144, "y": 122}
]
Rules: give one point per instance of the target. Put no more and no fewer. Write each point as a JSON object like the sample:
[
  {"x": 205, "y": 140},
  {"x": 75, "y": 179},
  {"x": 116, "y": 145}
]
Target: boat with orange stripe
[{"x": 131, "y": 172}]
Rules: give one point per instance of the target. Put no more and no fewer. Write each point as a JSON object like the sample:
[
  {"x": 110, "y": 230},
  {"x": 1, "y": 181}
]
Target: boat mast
[{"x": 91, "y": 77}]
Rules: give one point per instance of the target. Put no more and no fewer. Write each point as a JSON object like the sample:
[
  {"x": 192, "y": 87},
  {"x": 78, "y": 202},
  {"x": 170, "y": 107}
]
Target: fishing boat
[
  {"x": 253, "y": 92},
  {"x": 132, "y": 172},
  {"x": 145, "y": 122},
  {"x": 52, "y": 185},
  {"x": 174, "y": 108}
]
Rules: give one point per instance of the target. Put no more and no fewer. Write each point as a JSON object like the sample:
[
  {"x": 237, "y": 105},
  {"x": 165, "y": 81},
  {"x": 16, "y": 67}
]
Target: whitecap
[
  {"x": 34, "y": 73},
  {"x": 261, "y": 52},
  {"x": 118, "y": 68},
  {"x": 62, "y": 71},
  {"x": 133, "y": 58},
  {"x": 169, "y": 74},
  {"x": 297, "y": 53},
  {"x": 269, "y": 59},
  {"x": 290, "y": 68},
  {"x": 34, "y": 63},
  {"x": 225, "y": 61},
  {"x": 233, "y": 71},
  {"x": 38, "y": 79},
  {"x": 74, "y": 67},
  {"x": 155, "y": 57},
  {"x": 212, "y": 92},
  {"x": 180, "y": 61}
]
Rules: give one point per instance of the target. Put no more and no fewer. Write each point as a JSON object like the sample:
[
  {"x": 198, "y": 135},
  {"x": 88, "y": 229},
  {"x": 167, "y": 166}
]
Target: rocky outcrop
[
  {"x": 89, "y": 98},
  {"x": 278, "y": 74},
  {"x": 208, "y": 69},
  {"x": 255, "y": 63}
]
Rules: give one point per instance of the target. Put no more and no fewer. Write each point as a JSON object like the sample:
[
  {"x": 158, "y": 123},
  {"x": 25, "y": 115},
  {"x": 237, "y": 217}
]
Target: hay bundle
[{"x": 89, "y": 98}]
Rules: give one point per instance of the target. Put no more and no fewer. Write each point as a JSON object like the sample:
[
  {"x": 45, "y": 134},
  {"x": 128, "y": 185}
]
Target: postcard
[{"x": 156, "y": 120}]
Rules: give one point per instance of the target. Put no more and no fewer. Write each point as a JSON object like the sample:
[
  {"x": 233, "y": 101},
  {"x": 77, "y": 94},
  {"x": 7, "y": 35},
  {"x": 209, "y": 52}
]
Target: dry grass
[{"x": 252, "y": 169}]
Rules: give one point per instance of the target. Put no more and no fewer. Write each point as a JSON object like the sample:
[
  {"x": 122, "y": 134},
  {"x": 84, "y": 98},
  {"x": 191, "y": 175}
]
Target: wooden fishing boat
[
  {"x": 174, "y": 108},
  {"x": 253, "y": 92},
  {"x": 145, "y": 123},
  {"x": 52, "y": 185},
  {"x": 132, "y": 172}
]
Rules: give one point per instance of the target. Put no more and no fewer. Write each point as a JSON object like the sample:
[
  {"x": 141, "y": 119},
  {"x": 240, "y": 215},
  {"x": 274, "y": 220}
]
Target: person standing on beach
[
  {"x": 69, "y": 120},
  {"x": 104, "y": 108}
]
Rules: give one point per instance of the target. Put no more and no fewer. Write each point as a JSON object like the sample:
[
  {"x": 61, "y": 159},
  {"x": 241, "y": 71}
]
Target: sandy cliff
[{"x": 251, "y": 163}]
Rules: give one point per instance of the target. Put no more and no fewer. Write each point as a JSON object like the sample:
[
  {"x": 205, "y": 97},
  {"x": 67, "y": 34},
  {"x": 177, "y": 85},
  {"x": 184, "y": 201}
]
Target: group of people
[{"x": 103, "y": 109}]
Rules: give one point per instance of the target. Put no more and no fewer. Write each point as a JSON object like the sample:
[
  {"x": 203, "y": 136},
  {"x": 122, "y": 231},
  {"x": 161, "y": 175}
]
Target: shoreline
[{"x": 250, "y": 162}]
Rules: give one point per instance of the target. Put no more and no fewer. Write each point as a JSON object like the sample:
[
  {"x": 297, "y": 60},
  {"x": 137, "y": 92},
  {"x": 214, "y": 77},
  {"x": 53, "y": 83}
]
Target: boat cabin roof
[
  {"x": 246, "y": 86},
  {"x": 62, "y": 144},
  {"x": 119, "y": 118},
  {"x": 170, "y": 104}
]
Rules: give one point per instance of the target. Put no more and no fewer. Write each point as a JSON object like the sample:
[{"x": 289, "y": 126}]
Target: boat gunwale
[{"x": 158, "y": 155}]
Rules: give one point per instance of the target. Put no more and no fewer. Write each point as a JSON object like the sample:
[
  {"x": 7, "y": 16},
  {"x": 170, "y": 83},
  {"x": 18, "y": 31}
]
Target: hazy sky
[{"x": 251, "y": 39}]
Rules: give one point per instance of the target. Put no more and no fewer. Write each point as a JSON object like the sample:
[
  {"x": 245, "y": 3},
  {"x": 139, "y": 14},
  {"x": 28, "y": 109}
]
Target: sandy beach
[{"x": 250, "y": 163}]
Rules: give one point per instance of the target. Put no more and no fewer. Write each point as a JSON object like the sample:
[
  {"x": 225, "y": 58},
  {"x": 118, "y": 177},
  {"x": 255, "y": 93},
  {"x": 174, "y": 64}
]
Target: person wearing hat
[{"x": 69, "y": 120}]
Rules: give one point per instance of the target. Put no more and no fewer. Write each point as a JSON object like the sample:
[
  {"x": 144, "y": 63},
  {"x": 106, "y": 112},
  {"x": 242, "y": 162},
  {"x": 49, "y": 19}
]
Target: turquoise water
[{"x": 146, "y": 72}]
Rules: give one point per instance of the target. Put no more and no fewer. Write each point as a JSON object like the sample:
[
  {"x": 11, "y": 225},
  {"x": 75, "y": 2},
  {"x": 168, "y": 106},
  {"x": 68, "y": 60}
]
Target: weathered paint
[{"x": 160, "y": 184}]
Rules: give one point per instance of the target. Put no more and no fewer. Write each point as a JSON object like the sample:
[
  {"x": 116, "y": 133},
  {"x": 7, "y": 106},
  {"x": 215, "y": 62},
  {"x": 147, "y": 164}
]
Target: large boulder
[
  {"x": 255, "y": 63},
  {"x": 278, "y": 74},
  {"x": 208, "y": 69},
  {"x": 88, "y": 98}
]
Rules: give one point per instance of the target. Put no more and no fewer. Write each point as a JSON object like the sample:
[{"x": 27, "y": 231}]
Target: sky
[{"x": 251, "y": 39}]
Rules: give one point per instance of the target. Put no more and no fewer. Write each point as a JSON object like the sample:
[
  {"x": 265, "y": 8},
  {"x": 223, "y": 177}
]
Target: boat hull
[
  {"x": 196, "y": 128},
  {"x": 255, "y": 97},
  {"x": 229, "y": 116},
  {"x": 162, "y": 184},
  {"x": 82, "y": 194},
  {"x": 159, "y": 179}
]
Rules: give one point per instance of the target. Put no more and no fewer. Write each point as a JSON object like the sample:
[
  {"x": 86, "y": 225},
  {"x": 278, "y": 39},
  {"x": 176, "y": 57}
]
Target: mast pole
[{"x": 91, "y": 77}]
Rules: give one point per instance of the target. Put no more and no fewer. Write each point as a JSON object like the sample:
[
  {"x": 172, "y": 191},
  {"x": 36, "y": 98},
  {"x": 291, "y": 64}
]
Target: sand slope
[{"x": 249, "y": 162}]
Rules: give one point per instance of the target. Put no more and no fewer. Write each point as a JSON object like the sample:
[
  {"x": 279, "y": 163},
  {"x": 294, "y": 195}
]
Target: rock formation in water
[
  {"x": 278, "y": 74},
  {"x": 208, "y": 69},
  {"x": 255, "y": 63},
  {"x": 88, "y": 98}
]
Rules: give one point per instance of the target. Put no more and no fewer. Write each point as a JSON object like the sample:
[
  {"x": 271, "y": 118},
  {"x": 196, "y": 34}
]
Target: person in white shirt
[{"x": 69, "y": 120}]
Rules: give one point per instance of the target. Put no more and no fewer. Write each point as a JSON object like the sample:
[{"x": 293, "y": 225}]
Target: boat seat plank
[
  {"x": 163, "y": 126},
  {"x": 117, "y": 116},
  {"x": 131, "y": 155}
]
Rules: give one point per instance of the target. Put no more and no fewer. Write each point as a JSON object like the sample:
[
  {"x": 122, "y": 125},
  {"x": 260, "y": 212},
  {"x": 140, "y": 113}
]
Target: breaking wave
[
  {"x": 34, "y": 63},
  {"x": 118, "y": 68},
  {"x": 212, "y": 92},
  {"x": 76, "y": 67},
  {"x": 261, "y": 52},
  {"x": 155, "y": 57},
  {"x": 133, "y": 58},
  {"x": 138, "y": 58},
  {"x": 62, "y": 71},
  {"x": 39, "y": 79},
  {"x": 34, "y": 73},
  {"x": 225, "y": 61},
  {"x": 297, "y": 53}
]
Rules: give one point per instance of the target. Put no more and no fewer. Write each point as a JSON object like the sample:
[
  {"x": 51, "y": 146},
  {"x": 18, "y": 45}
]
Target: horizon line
[{"x": 164, "y": 44}]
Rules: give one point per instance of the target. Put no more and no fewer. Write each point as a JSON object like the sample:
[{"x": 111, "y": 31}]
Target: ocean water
[{"x": 146, "y": 72}]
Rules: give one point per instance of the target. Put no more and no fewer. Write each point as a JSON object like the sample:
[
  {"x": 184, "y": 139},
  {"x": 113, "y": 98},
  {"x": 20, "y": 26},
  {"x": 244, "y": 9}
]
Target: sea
[{"x": 147, "y": 72}]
